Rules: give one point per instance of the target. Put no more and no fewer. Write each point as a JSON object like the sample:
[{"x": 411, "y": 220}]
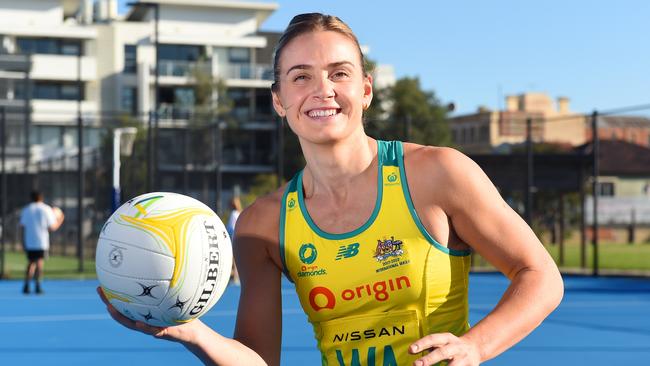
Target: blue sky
[{"x": 474, "y": 53}]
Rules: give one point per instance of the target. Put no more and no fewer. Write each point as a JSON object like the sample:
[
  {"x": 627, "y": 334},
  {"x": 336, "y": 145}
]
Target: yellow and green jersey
[{"x": 372, "y": 292}]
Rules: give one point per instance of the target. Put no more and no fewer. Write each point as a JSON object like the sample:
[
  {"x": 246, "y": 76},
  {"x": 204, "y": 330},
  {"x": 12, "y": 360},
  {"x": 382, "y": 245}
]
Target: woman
[{"x": 374, "y": 234}]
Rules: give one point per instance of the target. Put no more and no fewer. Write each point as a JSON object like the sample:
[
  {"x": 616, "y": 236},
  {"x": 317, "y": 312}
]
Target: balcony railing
[
  {"x": 180, "y": 68},
  {"x": 247, "y": 71},
  {"x": 229, "y": 71}
]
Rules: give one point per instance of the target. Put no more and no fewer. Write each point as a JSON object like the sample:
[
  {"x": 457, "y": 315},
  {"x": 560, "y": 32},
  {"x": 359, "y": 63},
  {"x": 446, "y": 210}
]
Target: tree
[{"x": 405, "y": 111}]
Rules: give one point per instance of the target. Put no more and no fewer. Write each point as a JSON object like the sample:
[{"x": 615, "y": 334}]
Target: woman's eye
[
  {"x": 340, "y": 75},
  {"x": 300, "y": 78}
]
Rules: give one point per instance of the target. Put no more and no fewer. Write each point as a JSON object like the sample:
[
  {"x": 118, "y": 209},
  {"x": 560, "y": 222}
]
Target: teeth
[{"x": 322, "y": 113}]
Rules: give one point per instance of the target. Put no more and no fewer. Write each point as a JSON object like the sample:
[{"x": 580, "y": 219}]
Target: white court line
[{"x": 83, "y": 317}]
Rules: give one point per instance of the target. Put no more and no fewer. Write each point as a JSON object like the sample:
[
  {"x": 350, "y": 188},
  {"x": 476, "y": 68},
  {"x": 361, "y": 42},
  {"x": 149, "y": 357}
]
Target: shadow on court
[{"x": 600, "y": 322}]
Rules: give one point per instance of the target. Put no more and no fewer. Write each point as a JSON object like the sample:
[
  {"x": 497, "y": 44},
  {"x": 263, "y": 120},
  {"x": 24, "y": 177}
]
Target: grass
[
  {"x": 56, "y": 267},
  {"x": 610, "y": 256},
  {"x": 614, "y": 256}
]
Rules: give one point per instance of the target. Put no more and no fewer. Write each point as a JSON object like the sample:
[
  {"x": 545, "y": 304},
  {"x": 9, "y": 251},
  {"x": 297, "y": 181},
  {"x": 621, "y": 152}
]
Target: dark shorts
[{"x": 34, "y": 255}]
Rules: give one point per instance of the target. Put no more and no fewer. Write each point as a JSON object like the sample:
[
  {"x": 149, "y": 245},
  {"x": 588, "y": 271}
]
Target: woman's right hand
[{"x": 184, "y": 333}]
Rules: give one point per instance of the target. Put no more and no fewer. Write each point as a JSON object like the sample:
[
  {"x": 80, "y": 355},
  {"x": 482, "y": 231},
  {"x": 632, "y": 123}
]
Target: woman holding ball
[{"x": 375, "y": 235}]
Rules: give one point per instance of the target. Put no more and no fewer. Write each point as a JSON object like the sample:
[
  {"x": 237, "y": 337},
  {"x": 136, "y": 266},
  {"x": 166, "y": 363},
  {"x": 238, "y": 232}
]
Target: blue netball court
[{"x": 601, "y": 321}]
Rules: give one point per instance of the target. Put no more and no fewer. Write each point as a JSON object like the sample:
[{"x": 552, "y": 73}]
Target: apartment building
[
  {"x": 65, "y": 59},
  {"x": 48, "y": 77},
  {"x": 216, "y": 39}
]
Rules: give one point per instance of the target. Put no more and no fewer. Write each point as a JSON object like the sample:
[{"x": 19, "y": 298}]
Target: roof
[
  {"x": 623, "y": 121},
  {"x": 138, "y": 12},
  {"x": 620, "y": 158}
]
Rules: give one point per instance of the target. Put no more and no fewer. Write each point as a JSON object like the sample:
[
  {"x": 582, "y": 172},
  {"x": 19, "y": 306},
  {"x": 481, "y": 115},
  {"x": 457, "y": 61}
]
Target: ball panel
[
  {"x": 148, "y": 292},
  {"x": 120, "y": 230},
  {"x": 217, "y": 257},
  {"x": 132, "y": 262},
  {"x": 151, "y": 315}
]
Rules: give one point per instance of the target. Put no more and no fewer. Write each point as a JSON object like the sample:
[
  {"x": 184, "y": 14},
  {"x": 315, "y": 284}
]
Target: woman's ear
[
  {"x": 367, "y": 92},
  {"x": 277, "y": 104}
]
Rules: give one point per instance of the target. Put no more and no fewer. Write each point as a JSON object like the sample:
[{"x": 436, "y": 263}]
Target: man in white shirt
[{"x": 37, "y": 219}]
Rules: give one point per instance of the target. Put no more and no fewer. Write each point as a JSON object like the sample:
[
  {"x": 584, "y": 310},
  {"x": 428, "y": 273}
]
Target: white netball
[{"x": 163, "y": 258}]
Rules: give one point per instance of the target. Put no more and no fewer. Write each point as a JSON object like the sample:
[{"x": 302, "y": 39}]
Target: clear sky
[{"x": 595, "y": 52}]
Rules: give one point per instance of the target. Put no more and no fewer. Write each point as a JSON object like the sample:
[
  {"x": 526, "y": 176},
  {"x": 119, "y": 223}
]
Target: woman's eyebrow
[{"x": 309, "y": 67}]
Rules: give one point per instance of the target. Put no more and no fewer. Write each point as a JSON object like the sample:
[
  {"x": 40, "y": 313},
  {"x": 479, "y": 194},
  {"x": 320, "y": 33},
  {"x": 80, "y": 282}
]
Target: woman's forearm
[
  {"x": 214, "y": 349},
  {"x": 531, "y": 296}
]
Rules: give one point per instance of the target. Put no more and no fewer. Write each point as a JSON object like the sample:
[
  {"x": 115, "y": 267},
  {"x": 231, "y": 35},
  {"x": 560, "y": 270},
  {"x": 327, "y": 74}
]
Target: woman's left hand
[{"x": 446, "y": 346}]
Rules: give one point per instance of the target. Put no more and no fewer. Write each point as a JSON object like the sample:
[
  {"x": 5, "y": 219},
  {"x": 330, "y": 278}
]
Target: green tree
[
  {"x": 405, "y": 111},
  {"x": 263, "y": 184},
  {"x": 211, "y": 106}
]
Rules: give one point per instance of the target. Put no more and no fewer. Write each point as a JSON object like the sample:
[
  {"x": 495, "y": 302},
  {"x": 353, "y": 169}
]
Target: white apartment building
[
  {"x": 86, "y": 60},
  {"x": 61, "y": 68}
]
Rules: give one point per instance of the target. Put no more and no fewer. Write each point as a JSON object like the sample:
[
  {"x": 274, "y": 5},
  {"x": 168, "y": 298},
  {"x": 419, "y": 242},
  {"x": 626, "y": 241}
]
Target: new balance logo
[{"x": 347, "y": 251}]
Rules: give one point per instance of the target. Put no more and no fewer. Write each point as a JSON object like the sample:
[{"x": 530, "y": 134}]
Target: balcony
[
  {"x": 61, "y": 111},
  {"x": 63, "y": 67},
  {"x": 180, "y": 69},
  {"x": 247, "y": 72},
  {"x": 237, "y": 75}
]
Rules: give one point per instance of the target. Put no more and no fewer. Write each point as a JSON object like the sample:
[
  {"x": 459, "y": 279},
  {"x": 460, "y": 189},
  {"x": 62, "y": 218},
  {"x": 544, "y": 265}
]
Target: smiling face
[{"x": 322, "y": 89}]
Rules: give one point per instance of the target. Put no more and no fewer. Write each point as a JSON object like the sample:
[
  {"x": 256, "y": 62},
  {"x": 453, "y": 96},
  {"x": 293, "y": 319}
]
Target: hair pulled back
[{"x": 307, "y": 23}]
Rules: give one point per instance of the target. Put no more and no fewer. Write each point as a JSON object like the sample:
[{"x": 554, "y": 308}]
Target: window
[
  {"x": 46, "y": 91},
  {"x": 239, "y": 55},
  {"x": 606, "y": 189},
  {"x": 174, "y": 52},
  {"x": 49, "y": 136},
  {"x": 241, "y": 101},
  {"x": 69, "y": 92},
  {"x": 130, "y": 59},
  {"x": 70, "y": 48},
  {"x": 49, "y": 46},
  {"x": 130, "y": 100},
  {"x": 62, "y": 91}
]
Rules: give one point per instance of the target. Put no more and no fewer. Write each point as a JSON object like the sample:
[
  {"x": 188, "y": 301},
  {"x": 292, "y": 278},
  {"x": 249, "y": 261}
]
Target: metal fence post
[
  {"x": 595, "y": 151},
  {"x": 3, "y": 183}
]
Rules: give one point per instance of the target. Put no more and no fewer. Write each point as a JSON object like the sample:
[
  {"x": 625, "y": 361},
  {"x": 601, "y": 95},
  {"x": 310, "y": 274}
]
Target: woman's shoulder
[
  {"x": 439, "y": 160},
  {"x": 263, "y": 216}
]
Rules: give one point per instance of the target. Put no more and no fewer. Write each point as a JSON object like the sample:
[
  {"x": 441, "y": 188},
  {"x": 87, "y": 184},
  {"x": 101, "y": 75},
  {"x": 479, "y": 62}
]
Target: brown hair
[{"x": 306, "y": 23}]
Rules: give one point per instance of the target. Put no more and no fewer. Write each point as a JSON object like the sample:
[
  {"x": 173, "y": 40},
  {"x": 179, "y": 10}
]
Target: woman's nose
[{"x": 324, "y": 88}]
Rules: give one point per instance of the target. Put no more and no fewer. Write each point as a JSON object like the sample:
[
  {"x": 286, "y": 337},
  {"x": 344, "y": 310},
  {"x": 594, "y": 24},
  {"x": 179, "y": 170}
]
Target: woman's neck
[{"x": 332, "y": 168}]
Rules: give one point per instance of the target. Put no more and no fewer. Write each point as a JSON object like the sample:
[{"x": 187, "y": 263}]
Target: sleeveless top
[{"x": 370, "y": 293}]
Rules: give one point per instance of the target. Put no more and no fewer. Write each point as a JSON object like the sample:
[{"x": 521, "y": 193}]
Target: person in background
[
  {"x": 37, "y": 220},
  {"x": 235, "y": 207}
]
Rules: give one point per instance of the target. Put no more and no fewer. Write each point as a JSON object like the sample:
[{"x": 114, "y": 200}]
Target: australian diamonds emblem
[{"x": 390, "y": 254}]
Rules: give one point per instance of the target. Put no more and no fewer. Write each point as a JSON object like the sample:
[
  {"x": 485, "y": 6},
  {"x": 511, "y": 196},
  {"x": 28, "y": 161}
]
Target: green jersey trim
[
  {"x": 381, "y": 146},
  {"x": 291, "y": 186},
  {"x": 407, "y": 196}
]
